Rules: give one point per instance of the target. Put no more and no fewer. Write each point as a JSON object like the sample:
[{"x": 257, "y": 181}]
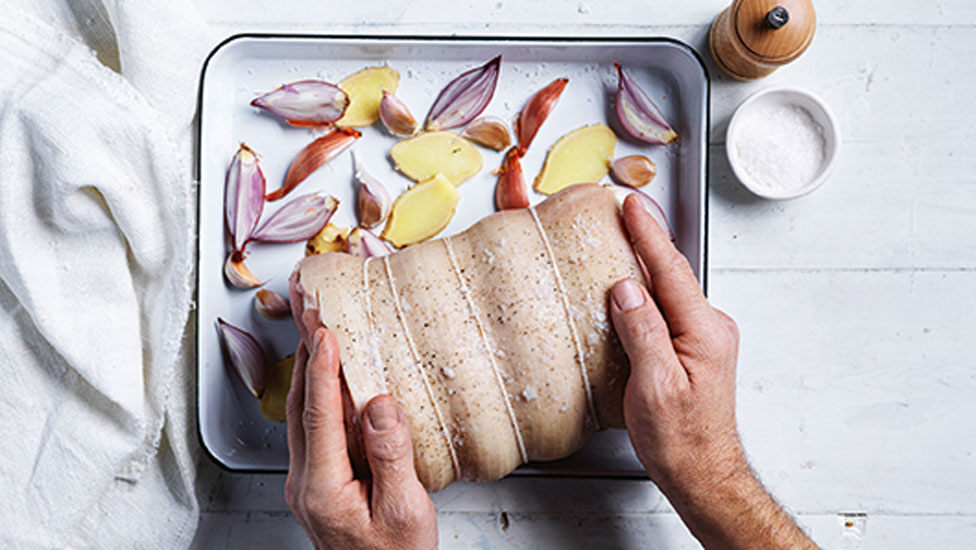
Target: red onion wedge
[
  {"x": 363, "y": 243},
  {"x": 464, "y": 98},
  {"x": 653, "y": 208},
  {"x": 245, "y": 354},
  {"x": 305, "y": 103},
  {"x": 511, "y": 192},
  {"x": 638, "y": 115},
  {"x": 536, "y": 111},
  {"x": 312, "y": 157},
  {"x": 243, "y": 196},
  {"x": 299, "y": 220}
]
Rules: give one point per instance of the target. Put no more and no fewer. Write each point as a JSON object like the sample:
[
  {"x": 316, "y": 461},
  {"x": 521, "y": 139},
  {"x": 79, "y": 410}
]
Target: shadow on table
[
  {"x": 723, "y": 185},
  {"x": 553, "y": 512}
]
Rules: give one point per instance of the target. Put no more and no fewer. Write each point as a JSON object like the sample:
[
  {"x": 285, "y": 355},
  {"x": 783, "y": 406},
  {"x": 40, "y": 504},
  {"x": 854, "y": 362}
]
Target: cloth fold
[{"x": 97, "y": 225}]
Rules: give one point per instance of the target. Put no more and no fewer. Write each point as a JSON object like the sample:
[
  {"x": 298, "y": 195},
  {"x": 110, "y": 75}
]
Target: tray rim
[{"x": 531, "y": 469}]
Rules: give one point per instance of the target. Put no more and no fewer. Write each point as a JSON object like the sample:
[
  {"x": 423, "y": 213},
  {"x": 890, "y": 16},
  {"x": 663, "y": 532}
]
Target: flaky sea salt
[{"x": 779, "y": 145}]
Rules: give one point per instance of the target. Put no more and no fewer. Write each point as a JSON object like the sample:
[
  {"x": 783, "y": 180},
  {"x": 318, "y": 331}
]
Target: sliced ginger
[
  {"x": 423, "y": 157},
  {"x": 332, "y": 238},
  {"x": 421, "y": 211},
  {"x": 365, "y": 90},
  {"x": 276, "y": 389},
  {"x": 581, "y": 156}
]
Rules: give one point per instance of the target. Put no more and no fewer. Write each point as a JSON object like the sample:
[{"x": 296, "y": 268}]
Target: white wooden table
[{"x": 857, "y": 375}]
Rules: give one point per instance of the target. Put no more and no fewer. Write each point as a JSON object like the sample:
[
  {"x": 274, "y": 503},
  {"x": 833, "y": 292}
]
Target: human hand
[
  {"x": 679, "y": 403},
  {"x": 336, "y": 510}
]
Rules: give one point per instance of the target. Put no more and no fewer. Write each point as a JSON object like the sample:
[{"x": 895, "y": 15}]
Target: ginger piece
[
  {"x": 581, "y": 156},
  {"x": 275, "y": 394},
  {"x": 332, "y": 238},
  {"x": 421, "y": 211},
  {"x": 365, "y": 90},
  {"x": 423, "y": 157}
]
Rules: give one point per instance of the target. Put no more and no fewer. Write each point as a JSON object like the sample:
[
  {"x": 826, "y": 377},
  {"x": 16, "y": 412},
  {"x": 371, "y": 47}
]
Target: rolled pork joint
[{"x": 497, "y": 342}]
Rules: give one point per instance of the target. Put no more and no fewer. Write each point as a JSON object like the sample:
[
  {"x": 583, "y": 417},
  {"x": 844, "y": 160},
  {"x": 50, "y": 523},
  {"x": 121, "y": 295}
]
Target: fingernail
[
  {"x": 382, "y": 416},
  {"x": 627, "y": 295}
]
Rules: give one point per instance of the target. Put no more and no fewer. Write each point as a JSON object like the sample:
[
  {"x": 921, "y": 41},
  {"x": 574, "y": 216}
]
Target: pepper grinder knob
[{"x": 777, "y": 17}]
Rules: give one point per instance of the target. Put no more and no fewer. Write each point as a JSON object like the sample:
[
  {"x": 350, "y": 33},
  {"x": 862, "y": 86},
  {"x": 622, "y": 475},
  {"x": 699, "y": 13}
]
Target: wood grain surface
[{"x": 857, "y": 373}]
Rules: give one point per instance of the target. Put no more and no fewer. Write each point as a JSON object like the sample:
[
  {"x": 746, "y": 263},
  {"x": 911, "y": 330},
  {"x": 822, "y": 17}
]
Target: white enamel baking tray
[{"x": 232, "y": 429}]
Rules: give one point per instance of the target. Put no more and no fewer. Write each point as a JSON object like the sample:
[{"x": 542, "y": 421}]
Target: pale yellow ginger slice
[
  {"x": 365, "y": 90},
  {"x": 332, "y": 238},
  {"x": 581, "y": 156},
  {"x": 423, "y": 157},
  {"x": 421, "y": 211},
  {"x": 276, "y": 389}
]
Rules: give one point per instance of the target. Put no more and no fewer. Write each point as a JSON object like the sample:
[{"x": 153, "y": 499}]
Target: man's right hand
[{"x": 679, "y": 403}]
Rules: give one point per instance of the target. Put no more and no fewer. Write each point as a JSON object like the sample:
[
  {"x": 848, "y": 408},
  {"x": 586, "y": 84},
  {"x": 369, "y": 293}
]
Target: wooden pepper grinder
[{"x": 752, "y": 38}]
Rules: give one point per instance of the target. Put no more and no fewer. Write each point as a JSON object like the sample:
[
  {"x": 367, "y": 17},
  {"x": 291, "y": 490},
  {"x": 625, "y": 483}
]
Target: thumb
[
  {"x": 641, "y": 328},
  {"x": 389, "y": 451}
]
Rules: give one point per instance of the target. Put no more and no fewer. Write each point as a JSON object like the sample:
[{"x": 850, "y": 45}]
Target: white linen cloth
[{"x": 97, "y": 223}]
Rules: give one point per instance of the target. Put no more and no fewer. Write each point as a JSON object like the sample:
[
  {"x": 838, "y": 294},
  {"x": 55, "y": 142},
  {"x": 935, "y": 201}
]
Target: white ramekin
[{"x": 820, "y": 113}]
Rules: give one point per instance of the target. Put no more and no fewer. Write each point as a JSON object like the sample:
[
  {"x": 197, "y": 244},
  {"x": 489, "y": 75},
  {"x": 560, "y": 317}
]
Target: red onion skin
[
  {"x": 465, "y": 97},
  {"x": 536, "y": 111},
  {"x": 243, "y": 197},
  {"x": 245, "y": 354},
  {"x": 288, "y": 102},
  {"x": 365, "y": 243},
  {"x": 298, "y": 220},
  {"x": 312, "y": 157},
  {"x": 511, "y": 191},
  {"x": 634, "y": 107}
]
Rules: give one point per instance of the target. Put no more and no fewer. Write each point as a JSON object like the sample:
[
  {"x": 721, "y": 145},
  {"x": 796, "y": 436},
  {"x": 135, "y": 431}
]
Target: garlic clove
[
  {"x": 298, "y": 220},
  {"x": 396, "y": 116},
  {"x": 312, "y": 157},
  {"x": 638, "y": 115},
  {"x": 245, "y": 354},
  {"x": 536, "y": 112},
  {"x": 633, "y": 170},
  {"x": 243, "y": 196},
  {"x": 305, "y": 103},
  {"x": 373, "y": 200},
  {"x": 652, "y": 206},
  {"x": 364, "y": 243},
  {"x": 465, "y": 97},
  {"x": 271, "y": 305},
  {"x": 238, "y": 274},
  {"x": 511, "y": 191},
  {"x": 490, "y": 132}
]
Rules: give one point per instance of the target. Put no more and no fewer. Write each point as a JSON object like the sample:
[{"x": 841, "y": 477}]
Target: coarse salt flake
[{"x": 779, "y": 145}]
